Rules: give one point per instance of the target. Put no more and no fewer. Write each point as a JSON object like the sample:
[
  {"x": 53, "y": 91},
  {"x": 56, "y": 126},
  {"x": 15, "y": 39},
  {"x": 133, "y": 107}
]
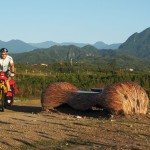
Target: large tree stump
[
  {"x": 124, "y": 97},
  {"x": 56, "y": 94},
  {"x": 82, "y": 100}
]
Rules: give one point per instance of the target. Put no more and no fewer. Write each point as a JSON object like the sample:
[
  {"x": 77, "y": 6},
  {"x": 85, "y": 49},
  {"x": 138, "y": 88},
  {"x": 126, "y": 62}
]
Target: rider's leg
[{"x": 8, "y": 85}]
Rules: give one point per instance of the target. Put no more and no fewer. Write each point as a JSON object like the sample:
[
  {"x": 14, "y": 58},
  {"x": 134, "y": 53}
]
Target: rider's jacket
[{"x": 5, "y": 63}]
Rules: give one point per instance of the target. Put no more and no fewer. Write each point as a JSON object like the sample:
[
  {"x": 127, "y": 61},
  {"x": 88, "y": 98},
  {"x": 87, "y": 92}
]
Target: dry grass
[
  {"x": 56, "y": 94},
  {"x": 124, "y": 97}
]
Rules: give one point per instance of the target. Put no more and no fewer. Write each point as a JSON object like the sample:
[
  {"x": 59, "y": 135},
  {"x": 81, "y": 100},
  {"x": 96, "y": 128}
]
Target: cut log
[
  {"x": 124, "y": 97},
  {"x": 56, "y": 94}
]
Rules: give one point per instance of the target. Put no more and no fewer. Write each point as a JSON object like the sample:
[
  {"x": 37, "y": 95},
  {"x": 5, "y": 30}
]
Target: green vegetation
[{"x": 31, "y": 80}]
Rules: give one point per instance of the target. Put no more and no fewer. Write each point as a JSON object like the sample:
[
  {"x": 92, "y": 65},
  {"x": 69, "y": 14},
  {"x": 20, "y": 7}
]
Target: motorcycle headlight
[{"x": 8, "y": 101}]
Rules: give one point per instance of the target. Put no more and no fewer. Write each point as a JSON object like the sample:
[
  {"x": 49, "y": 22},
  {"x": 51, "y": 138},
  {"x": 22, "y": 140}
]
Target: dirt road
[{"x": 23, "y": 125}]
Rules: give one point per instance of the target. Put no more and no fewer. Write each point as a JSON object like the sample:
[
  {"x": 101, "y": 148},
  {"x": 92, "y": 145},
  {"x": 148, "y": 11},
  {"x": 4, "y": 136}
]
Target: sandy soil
[{"x": 25, "y": 123}]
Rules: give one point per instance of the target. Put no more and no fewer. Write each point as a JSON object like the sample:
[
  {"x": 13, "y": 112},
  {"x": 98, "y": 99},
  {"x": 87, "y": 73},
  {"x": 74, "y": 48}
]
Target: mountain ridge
[
  {"x": 18, "y": 46},
  {"x": 99, "y": 44},
  {"x": 138, "y": 44},
  {"x": 85, "y": 55},
  {"x": 134, "y": 52}
]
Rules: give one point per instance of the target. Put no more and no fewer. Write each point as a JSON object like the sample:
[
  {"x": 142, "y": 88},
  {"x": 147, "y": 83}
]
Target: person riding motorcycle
[{"x": 6, "y": 65}]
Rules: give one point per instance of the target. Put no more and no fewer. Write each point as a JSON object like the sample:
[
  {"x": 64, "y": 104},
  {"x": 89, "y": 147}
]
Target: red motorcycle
[{"x": 6, "y": 97}]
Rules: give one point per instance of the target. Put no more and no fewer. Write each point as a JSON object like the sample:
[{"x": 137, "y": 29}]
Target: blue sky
[{"x": 84, "y": 21}]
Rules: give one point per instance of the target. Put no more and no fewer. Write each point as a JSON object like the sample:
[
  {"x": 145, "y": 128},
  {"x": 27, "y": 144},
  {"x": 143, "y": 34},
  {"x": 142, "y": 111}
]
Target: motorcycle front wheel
[{"x": 2, "y": 99}]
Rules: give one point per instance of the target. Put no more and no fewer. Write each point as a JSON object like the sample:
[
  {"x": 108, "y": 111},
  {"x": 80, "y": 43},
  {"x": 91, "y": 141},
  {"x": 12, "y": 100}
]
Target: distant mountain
[
  {"x": 134, "y": 52},
  {"x": 75, "y": 44},
  {"x": 102, "y": 45},
  {"x": 137, "y": 45},
  {"x": 45, "y": 44},
  {"x": 48, "y": 44},
  {"x": 16, "y": 46},
  {"x": 98, "y": 45}
]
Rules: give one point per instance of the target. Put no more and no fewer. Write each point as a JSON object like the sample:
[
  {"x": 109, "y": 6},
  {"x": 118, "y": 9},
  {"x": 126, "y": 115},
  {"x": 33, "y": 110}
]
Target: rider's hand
[{"x": 12, "y": 74}]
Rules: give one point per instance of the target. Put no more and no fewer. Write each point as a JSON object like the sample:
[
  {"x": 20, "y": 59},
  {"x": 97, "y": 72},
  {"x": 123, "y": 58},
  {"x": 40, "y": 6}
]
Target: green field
[{"x": 31, "y": 80}]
